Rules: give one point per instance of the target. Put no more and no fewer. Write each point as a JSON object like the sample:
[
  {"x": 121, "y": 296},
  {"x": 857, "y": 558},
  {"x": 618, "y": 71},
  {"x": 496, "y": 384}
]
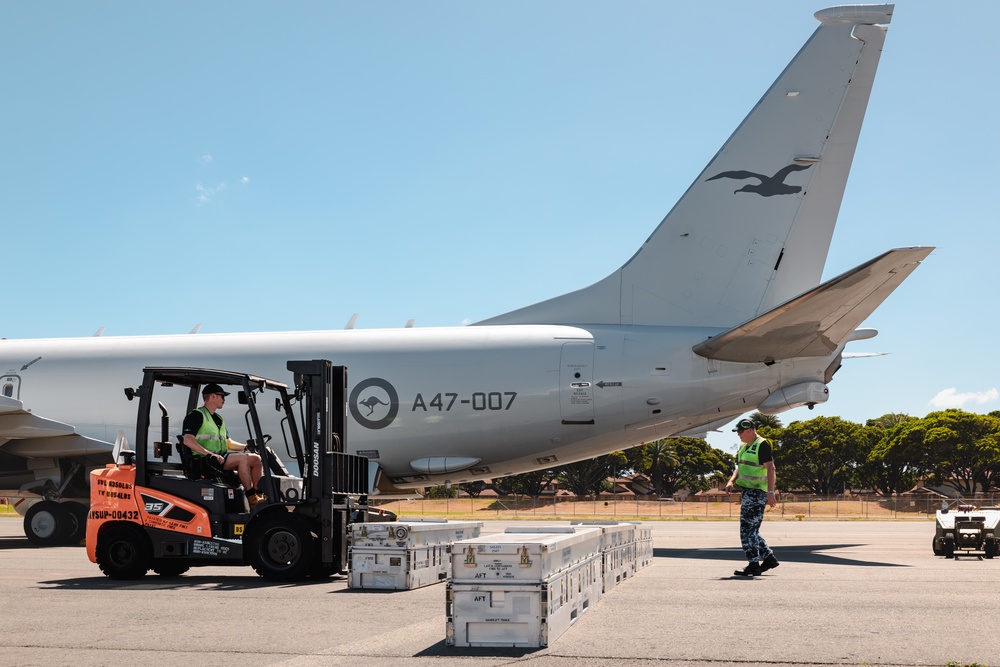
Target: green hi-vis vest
[
  {"x": 750, "y": 474},
  {"x": 211, "y": 436}
]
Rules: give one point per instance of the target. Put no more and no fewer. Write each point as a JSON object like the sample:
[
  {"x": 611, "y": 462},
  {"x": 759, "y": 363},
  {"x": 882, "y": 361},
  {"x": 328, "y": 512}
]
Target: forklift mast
[
  {"x": 327, "y": 469},
  {"x": 320, "y": 387},
  {"x": 330, "y": 476}
]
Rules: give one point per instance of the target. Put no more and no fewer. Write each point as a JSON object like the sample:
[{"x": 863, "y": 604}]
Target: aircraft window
[{"x": 8, "y": 390}]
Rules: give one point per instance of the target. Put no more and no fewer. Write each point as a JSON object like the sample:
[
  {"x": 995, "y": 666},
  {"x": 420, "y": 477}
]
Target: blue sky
[{"x": 277, "y": 166}]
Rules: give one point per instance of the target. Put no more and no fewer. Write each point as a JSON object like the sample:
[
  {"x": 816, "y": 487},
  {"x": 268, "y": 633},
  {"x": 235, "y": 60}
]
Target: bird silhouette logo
[{"x": 769, "y": 185}]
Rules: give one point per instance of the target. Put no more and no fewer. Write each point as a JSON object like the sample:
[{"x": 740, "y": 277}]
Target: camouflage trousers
[{"x": 752, "y": 507}]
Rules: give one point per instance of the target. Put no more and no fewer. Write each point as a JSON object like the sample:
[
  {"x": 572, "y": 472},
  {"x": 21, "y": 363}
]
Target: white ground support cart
[{"x": 967, "y": 530}]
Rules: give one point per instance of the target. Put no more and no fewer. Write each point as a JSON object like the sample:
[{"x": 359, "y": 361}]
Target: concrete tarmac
[{"x": 846, "y": 593}]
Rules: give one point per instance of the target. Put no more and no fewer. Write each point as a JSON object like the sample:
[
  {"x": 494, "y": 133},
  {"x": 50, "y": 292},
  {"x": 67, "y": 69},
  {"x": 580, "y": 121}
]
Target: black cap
[
  {"x": 213, "y": 389},
  {"x": 743, "y": 425}
]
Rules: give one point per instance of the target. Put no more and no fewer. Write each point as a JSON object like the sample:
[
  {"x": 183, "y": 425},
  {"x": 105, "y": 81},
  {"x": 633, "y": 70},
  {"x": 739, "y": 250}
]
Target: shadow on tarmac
[
  {"x": 813, "y": 554},
  {"x": 178, "y": 583},
  {"x": 23, "y": 543},
  {"x": 443, "y": 650}
]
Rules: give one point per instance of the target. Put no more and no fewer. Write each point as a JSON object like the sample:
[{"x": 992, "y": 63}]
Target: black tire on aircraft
[
  {"x": 77, "y": 528},
  {"x": 124, "y": 552},
  {"x": 280, "y": 547},
  {"x": 47, "y": 523}
]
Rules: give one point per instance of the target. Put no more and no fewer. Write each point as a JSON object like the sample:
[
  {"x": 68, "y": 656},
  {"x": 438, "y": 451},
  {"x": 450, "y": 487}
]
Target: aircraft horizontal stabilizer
[{"x": 816, "y": 323}]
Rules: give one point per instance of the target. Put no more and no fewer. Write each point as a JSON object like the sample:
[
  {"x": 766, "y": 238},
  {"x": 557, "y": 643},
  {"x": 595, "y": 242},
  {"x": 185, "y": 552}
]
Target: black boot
[
  {"x": 751, "y": 570},
  {"x": 769, "y": 563}
]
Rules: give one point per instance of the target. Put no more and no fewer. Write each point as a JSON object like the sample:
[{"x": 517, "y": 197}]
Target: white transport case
[
  {"x": 643, "y": 546},
  {"x": 524, "y": 587},
  {"x": 618, "y": 550},
  {"x": 407, "y": 554}
]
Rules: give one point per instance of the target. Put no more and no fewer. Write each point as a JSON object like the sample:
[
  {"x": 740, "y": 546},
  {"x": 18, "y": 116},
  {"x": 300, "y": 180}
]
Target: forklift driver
[{"x": 206, "y": 435}]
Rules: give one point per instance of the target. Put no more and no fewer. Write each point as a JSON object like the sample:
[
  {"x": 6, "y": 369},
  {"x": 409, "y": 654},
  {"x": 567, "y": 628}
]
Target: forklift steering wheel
[{"x": 252, "y": 444}]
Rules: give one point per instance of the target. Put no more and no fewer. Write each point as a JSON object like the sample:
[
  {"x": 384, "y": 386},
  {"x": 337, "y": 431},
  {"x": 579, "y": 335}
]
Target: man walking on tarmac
[
  {"x": 755, "y": 476},
  {"x": 206, "y": 435}
]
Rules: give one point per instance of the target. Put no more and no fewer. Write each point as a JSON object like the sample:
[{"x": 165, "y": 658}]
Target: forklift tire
[
  {"x": 77, "y": 527},
  {"x": 169, "y": 568},
  {"x": 124, "y": 552},
  {"x": 280, "y": 547},
  {"x": 47, "y": 523}
]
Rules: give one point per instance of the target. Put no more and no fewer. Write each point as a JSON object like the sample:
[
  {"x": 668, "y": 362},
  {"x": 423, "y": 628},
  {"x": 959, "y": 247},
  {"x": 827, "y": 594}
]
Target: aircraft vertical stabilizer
[{"x": 754, "y": 228}]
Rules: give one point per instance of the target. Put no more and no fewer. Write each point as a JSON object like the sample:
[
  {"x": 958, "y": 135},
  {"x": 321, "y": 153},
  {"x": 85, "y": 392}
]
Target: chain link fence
[{"x": 724, "y": 506}]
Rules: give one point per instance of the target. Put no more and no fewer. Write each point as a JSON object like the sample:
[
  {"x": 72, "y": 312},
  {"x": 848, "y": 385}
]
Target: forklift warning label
[
  {"x": 112, "y": 489},
  {"x": 203, "y": 548},
  {"x": 166, "y": 524}
]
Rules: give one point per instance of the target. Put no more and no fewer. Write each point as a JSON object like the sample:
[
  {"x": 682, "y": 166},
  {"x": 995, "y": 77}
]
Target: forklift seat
[{"x": 192, "y": 470}]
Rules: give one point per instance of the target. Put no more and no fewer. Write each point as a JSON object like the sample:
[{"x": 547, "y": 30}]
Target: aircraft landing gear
[
  {"x": 46, "y": 523},
  {"x": 50, "y": 523}
]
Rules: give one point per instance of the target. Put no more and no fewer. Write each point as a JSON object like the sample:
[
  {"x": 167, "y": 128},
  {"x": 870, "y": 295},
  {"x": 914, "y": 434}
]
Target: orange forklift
[{"x": 152, "y": 509}]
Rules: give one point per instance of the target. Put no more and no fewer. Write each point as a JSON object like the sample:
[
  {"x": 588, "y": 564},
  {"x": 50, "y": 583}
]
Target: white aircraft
[{"x": 719, "y": 313}]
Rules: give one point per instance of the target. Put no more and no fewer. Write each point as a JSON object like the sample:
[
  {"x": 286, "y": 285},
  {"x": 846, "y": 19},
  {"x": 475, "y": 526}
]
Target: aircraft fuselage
[{"x": 431, "y": 405}]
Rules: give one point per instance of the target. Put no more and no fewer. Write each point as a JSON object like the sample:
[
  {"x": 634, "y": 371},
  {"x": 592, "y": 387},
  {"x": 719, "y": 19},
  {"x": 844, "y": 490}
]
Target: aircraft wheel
[
  {"x": 169, "y": 568},
  {"x": 280, "y": 547},
  {"x": 47, "y": 523},
  {"x": 77, "y": 521},
  {"x": 934, "y": 547},
  {"x": 124, "y": 552}
]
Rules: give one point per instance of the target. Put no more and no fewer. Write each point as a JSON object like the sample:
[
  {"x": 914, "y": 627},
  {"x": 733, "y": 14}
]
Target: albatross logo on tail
[
  {"x": 769, "y": 185},
  {"x": 716, "y": 260}
]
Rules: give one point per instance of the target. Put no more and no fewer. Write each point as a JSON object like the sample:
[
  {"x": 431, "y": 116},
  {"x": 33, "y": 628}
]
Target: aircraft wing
[
  {"x": 819, "y": 321},
  {"x": 27, "y": 435}
]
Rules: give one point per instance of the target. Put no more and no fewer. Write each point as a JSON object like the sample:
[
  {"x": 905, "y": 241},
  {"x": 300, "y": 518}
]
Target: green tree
[
  {"x": 532, "y": 483},
  {"x": 442, "y": 491},
  {"x": 770, "y": 421},
  {"x": 964, "y": 449},
  {"x": 682, "y": 463},
  {"x": 699, "y": 463},
  {"x": 892, "y": 454},
  {"x": 473, "y": 488},
  {"x": 590, "y": 476},
  {"x": 819, "y": 455},
  {"x": 889, "y": 420},
  {"x": 652, "y": 460}
]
